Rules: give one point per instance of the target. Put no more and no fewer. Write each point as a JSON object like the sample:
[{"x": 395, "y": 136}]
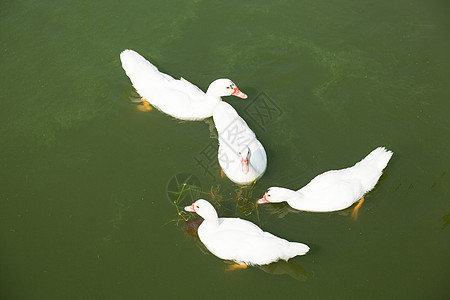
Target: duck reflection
[
  {"x": 212, "y": 128},
  {"x": 446, "y": 220},
  {"x": 290, "y": 268},
  {"x": 190, "y": 226},
  {"x": 282, "y": 209}
]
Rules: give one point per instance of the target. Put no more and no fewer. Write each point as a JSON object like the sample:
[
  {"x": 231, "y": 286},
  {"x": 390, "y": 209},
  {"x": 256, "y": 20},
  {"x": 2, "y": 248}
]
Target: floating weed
[
  {"x": 184, "y": 189},
  {"x": 216, "y": 197},
  {"x": 244, "y": 195},
  {"x": 176, "y": 202},
  {"x": 245, "y": 201}
]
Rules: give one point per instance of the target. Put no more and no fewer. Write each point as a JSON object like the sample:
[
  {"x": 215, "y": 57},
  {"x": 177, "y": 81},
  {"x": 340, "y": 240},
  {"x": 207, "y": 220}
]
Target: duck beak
[
  {"x": 190, "y": 208},
  {"x": 236, "y": 92},
  {"x": 244, "y": 162},
  {"x": 263, "y": 200}
]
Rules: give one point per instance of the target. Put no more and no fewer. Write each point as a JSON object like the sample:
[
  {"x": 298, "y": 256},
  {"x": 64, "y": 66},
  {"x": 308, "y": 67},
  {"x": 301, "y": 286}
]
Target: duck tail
[
  {"x": 143, "y": 75},
  {"x": 378, "y": 158},
  {"x": 295, "y": 249},
  {"x": 136, "y": 65}
]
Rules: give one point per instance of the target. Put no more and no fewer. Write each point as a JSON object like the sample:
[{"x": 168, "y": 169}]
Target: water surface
[{"x": 85, "y": 176}]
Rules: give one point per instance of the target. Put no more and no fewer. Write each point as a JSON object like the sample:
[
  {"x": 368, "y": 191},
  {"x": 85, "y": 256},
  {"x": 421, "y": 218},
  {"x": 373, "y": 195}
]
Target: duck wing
[{"x": 155, "y": 86}]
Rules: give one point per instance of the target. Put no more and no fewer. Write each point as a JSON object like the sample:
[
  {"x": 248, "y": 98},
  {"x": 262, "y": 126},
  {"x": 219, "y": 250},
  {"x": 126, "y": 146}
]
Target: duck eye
[
  {"x": 228, "y": 87},
  {"x": 197, "y": 206}
]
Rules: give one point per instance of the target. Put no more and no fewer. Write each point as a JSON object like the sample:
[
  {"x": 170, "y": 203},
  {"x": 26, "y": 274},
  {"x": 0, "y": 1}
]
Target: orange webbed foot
[
  {"x": 356, "y": 209},
  {"x": 236, "y": 267},
  {"x": 146, "y": 106}
]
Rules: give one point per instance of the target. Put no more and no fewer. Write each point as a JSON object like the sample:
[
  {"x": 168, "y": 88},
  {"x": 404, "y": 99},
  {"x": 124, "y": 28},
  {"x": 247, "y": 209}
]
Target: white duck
[
  {"x": 334, "y": 190},
  {"x": 241, "y": 155},
  {"x": 178, "y": 98},
  {"x": 241, "y": 241}
]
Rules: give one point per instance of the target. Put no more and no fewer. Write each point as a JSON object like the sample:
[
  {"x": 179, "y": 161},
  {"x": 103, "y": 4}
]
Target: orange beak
[
  {"x": 190, "y": 208},
  {"x": 244, "y": 162},
  {"x": 236, "y": 92},
  {"x": 263, "y": 200}
]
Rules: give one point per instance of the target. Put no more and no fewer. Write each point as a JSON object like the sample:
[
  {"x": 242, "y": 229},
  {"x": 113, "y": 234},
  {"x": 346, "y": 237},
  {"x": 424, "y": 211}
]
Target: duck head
[
  {"x": 277, "y": 195},
  {"x": 224, "y": 87},
  {"x": 203, "y": 208}
]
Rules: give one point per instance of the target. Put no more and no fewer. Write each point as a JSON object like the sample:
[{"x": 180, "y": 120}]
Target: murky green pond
[{"x": 88, "y": 181}]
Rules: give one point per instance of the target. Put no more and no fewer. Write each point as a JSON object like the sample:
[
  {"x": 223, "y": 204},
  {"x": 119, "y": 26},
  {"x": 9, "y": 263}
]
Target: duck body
[
  {"x": 240, "y": 240},
  {"x": 241, "y": 155},
  {"x": 176, "y": 97},
  {"x": 336, "y": 189}
]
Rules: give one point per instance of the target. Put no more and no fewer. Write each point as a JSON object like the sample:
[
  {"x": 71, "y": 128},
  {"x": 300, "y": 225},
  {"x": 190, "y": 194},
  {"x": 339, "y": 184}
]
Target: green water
[{"x": 84, "y": 206}]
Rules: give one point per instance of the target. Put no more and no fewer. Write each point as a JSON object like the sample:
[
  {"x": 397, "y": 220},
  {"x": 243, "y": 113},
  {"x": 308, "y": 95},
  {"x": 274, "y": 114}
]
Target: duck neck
[
  {"x": 301, "y": 202},
  {"x": 294, "y": 198},
  {"x": 209, "y": 224},
  {"x": 251, "y": 170},
  {"x": 212, "y": 93}
]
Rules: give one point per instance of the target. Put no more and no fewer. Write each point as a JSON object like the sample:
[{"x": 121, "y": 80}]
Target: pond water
[{"x": 88, "y": 181}]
